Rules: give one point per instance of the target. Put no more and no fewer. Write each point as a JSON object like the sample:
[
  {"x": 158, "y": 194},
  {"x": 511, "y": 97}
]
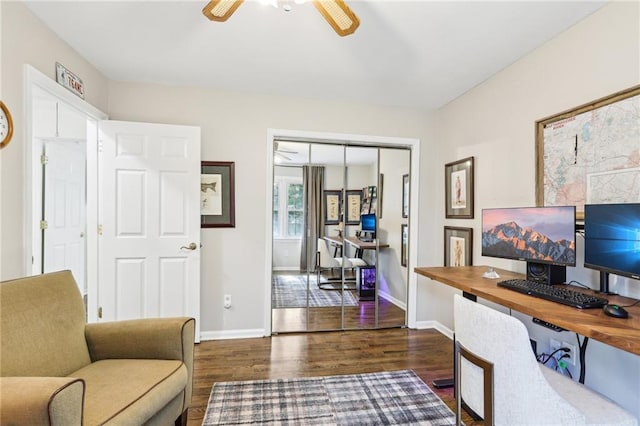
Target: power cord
[
  {"x": 550, "y": 356},
  {"x": 560, "y": 364},
  {"x": 579, "y": 284}
]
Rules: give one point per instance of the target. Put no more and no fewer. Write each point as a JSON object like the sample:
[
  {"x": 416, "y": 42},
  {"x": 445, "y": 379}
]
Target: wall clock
[{"x": 6, "y": 125}]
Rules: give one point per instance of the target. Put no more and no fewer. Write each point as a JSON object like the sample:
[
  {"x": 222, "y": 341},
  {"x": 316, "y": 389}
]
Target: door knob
[{"x": 191, "y": 246}]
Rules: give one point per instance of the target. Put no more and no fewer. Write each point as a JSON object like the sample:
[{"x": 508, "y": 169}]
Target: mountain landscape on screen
[{"x": 511, "y": 240}]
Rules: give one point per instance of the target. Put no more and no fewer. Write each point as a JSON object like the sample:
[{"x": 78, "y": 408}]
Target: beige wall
[
  {"x": 234, "y": 128},
  {"x": 495, "y": 123},
  {"x": 25, "y": 40}
]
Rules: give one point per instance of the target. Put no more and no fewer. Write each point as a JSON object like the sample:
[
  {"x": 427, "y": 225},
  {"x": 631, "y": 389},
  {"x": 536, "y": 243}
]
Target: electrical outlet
[
  {"x": 573, "y": 353},
  {"x": 554, "y": 345},
  {"x": 227, "y": 301}
]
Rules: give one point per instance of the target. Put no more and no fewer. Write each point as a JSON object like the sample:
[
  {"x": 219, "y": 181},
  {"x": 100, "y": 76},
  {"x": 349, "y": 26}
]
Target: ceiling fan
[
  {"x": 336, "y": 12},
  {"x": 281, "y": 152}
]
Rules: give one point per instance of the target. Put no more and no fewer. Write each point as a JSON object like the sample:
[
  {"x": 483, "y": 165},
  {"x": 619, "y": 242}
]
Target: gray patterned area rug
[
  {"x": 385, "y": 398},
  {"x": 290, "y": 291}
]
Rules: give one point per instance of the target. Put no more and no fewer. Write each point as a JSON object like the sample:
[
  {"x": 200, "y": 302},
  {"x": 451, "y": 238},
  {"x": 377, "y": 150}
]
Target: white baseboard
[
  {"x": 399, "y": 303},
  {"x": 422, "y": 325},
  {"x": 232, "y": 334}
]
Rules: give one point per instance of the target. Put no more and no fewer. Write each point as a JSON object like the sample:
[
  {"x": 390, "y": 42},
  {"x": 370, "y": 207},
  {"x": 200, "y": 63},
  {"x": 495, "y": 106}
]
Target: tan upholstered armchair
[{"x": 58, "y": 370}]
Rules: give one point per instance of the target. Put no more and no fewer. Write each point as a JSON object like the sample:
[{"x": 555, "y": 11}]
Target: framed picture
[
  {"x": 404, "y": 232},
  {"x": 332, "y": 206},
  {"x": 217, "y": 194},
  {"x": 405, "y": 195},
  {"x": 576, "y": 165},
  {"x": 458, "y": 246},
  {"x": 353, "y": 206},
  {"x": 458, "y": 178}
]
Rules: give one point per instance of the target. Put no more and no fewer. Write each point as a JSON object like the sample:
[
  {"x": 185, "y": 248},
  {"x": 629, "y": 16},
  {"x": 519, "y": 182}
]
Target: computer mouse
[{"x": 616, "y": 311}]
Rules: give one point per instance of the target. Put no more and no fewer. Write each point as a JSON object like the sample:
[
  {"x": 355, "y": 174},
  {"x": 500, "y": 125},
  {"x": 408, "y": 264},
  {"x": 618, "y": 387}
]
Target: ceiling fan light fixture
[
  {"x": 338, "y": 15},
  {"x": 221, "y": 10}
]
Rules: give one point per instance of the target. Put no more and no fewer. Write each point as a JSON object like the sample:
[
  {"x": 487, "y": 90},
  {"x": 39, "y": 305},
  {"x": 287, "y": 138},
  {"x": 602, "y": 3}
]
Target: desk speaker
[{"x": 545, "y": 273}]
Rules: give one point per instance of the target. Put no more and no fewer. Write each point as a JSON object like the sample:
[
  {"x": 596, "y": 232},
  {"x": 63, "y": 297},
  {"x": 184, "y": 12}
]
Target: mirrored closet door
[{"x": 336, "y": 258}]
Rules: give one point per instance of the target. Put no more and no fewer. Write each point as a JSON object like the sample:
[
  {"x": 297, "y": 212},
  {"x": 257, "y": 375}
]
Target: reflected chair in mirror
[
  {"x": 333, "y": 266},
  {"x": 499, "y": 379}
]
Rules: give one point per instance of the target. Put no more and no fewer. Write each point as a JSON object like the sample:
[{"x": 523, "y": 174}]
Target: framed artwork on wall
[
  {"x": 404, "y": 232},
  {"x": 333, "y": 207},
  {"x": 458, "y": 246},
  {"x": 458, "y": 178},
  {"x": 217, "y": 194},
  {"x": 405, "y": 195},
  {"x": 576, "y": 165},
  {"x": 353, "y": 206}
]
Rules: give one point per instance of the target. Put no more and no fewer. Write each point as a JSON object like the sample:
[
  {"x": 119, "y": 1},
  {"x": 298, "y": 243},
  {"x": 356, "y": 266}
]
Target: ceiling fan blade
[
  {"x": 279, "y": 149},
  {"x": 221, "y": 10},
  {"x": 338, "y": 15},
  {"x": 281, "y": 155}
]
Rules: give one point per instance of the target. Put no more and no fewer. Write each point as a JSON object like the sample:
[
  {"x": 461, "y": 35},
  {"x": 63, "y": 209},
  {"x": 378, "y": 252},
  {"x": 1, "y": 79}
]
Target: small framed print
[
  {"x": 353, "y": 206},
  {"x": 332, "y": 206},
  {"x": 458, "y": 178},
  {"x": 404, "y": 232},
  {"x": 458, "y": 246},
  {"x": 217, "y": 194},
  {"x": 405, "y": 195}
]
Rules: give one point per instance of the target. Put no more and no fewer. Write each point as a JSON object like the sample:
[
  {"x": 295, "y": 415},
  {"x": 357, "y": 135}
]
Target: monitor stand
[{"x": 604, "y": 283}]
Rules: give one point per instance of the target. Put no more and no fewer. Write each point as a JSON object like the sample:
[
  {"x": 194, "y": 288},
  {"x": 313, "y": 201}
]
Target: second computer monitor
[{"x": 368, "y": 222}]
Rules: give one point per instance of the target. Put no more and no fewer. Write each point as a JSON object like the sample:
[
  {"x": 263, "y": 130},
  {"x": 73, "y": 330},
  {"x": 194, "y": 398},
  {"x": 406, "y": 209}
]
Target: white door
[
  {"x": 149, "y": 219},
  {"x": 64, "y": 209}
]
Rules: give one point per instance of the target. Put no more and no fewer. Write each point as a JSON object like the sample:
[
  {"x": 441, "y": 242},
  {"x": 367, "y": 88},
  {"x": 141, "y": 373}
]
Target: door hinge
[
  {"x": 100, "y": 312},
  {"x": 100, "y": 145},
  {"x": 44, "y": 224},
  {"x": 100, "y": 229},
  {"x": 44, "y": 160}
]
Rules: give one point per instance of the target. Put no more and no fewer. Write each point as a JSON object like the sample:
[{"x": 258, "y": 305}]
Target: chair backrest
[
  {"x": 325, "y": 260},
  {"x": 522, "y": 395},
  {"x": 42, "y": 319}
]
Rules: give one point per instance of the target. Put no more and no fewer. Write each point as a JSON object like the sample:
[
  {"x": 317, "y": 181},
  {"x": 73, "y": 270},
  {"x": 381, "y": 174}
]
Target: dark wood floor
[
  {"x": 427, "y": 352},
  {"x": 330, "y": 318}
]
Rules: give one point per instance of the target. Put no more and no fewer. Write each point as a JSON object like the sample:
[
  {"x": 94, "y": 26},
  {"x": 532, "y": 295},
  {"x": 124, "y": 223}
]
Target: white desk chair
[
  {"x": 520, "y": 391},
  {"x": 325, "y": 261}
]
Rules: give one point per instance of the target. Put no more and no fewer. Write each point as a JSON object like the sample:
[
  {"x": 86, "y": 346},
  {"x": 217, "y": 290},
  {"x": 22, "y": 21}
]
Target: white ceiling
[{"x": 405, "y": 53}]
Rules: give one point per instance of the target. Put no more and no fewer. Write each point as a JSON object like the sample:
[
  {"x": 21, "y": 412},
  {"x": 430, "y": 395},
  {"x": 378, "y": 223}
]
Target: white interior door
[
  {"x": 149, "y": 216},
  {"x": 65, "y": 209}
]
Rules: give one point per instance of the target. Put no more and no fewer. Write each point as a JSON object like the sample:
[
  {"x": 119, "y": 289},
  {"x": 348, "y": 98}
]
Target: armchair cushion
[{"x": 130, "y": 391}]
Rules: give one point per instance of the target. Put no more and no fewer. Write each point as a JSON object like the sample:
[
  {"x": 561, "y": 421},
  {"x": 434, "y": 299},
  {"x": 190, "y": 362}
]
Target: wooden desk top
[
  {"x": 357, "y": 243},
  {"x": 620, "y": 333}
]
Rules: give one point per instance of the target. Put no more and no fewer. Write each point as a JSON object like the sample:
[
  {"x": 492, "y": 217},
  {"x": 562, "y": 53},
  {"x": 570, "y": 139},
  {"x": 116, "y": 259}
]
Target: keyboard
[{"x": 554, "y": 293}]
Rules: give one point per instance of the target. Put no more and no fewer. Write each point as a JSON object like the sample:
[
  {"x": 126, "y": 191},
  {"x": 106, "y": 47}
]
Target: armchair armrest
[
  {"x": 150, "y": 338},
  {"x": 41, "y": 400}
]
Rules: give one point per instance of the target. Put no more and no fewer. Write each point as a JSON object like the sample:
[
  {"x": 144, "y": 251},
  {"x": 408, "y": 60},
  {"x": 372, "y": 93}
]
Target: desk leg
[{"x": 449, "y": 381}]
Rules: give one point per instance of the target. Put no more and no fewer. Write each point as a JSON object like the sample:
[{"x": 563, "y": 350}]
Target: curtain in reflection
[{"x": 313, "y": 186}]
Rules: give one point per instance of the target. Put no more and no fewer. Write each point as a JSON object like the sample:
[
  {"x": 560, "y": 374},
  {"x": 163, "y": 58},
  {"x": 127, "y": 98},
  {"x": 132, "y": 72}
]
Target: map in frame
[{"x": 591, "y": 155}]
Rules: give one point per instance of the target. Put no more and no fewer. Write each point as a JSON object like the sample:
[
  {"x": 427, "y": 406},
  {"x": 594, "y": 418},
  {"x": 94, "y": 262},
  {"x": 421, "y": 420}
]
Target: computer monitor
[
  {"x": 612, "y": 240},
  {"x": 534, "y": 234},
  {"x": 368, "y": 222}
]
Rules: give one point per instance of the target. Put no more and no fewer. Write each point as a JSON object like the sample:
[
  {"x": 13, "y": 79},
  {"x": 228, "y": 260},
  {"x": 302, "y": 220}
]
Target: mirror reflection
[{"x": 337, "y": 237}]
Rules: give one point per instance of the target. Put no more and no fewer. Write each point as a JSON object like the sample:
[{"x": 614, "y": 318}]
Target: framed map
[{"x": 590, "y": 154}]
